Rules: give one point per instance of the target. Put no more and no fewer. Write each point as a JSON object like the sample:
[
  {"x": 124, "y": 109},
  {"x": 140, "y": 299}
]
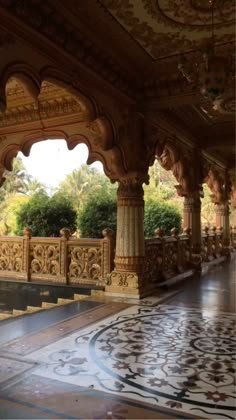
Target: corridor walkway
[{"x": 151, "y": 359}]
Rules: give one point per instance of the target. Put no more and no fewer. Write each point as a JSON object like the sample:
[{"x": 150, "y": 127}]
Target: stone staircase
[{"x": 44, "y": 306}]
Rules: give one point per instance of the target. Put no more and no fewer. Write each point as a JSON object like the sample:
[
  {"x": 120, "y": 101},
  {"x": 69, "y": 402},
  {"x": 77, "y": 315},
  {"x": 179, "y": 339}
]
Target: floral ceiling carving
[
  {"x": 194, "y": 12},
  {"x": 167, "y": 27}
]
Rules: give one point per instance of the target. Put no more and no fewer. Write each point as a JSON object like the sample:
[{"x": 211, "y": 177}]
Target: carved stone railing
[
  {"x": 167, "y": 256},
  {"x": 59, "y": 260},
  {"x": 212, "y": 245}
]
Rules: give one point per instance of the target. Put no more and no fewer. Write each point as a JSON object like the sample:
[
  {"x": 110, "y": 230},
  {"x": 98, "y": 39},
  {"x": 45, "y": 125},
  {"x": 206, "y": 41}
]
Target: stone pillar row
[{"x": 126, "y": 279}]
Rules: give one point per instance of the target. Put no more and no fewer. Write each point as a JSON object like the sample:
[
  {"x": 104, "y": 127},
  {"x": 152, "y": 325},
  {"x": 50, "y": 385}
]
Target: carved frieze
[{"x": 46, "y": 109}]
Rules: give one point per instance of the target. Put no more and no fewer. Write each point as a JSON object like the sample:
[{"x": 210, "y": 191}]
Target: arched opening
[
  {"x": 163, "y": 205},
  {"x": 50, "y": 169}
]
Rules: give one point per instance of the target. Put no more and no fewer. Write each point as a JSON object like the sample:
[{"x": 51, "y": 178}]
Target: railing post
[
  {"x": 108, "y": 252},
  {"x": 27, "y": 232},
  {"x": 159, "y": 234},
  {"x": 175, "y": 234},
  {"x": 214, "y": 242},
  {"x": 64, "y": 263}
]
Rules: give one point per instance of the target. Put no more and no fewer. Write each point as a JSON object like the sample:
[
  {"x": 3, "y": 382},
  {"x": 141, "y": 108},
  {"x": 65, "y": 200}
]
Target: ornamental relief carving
[
  {"x": 45, "y": 259},
  {"x": 216, "y": 182},
  {"x": 11, "y": 256},
  {"x": 84, "y": 263},
  {"x": 31, "y": 113},
  {"x": 172, "y": 158}
]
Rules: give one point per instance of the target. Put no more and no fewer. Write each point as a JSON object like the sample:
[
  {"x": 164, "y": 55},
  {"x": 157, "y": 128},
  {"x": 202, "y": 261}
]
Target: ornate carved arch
[
  {"x": 90, "y": 127},
  {"x": 23, "y": 72}
]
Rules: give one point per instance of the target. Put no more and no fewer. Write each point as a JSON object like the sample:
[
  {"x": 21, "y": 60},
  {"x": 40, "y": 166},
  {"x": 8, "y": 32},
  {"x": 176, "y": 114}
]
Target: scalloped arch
[
  {"x": 23, "y": 72},
  {"x": 96, "y": 130},
  {"x": 111, "y": 159}
]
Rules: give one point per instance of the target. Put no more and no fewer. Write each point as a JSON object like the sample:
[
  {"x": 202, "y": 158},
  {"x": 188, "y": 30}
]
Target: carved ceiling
[
  {"x": 168, "y": 27},
  {"x": 132, "y": 47}
]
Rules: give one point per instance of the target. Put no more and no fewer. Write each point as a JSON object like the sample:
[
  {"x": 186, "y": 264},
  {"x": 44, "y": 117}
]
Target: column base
[
  {"x": 125, "y": 284},
  {"x": 196, "y": 261}
]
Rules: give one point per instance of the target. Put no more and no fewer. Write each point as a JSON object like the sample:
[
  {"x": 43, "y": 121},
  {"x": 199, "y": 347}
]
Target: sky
[{"x": 50, "y": 161}]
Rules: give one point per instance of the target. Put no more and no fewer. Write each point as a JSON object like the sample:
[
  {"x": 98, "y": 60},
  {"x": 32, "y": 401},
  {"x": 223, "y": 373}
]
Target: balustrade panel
[
  {"x": 12, "y": 261},
  {"x": 84, "y": 261},
  {"x": 45, "y": 260}
]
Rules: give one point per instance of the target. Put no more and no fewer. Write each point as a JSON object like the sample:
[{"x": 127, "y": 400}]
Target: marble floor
[{"x": 124, "y": 359}]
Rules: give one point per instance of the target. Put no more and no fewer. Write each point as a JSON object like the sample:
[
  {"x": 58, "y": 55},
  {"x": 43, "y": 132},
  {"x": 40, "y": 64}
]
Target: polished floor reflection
[{"x": 120, "y": 360}]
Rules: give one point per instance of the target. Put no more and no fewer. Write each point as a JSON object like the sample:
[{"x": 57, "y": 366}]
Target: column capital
[
  {"x": 132, "y": 185},
  {"x": 192, "y": 201}
]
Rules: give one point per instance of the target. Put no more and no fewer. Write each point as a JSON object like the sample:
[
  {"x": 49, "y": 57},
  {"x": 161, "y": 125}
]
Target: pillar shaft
[
  {"x": 192, "y": 220},
  {"x": 126, "y": 279},
  {"x": 222, "y": 221},
  {"x": 130, "y": 231}
]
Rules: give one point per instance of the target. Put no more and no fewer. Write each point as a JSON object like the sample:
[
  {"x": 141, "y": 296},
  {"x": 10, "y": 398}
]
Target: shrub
[
  {"x": 160, "y": 215},
  {"x": 45, "y": 215},
  {"x": 98, "y": 213}
]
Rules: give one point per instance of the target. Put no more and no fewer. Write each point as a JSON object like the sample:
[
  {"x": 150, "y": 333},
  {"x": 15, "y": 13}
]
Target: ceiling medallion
[
  {"x": 213, "y": 74},
  {"x": 206, "y": 5}
]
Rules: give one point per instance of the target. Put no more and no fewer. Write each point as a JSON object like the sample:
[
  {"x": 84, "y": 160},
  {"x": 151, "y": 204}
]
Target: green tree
[
  {"x": 98, "y": 213},
  {"x": 46, "y": 215},
  {"x": 84, "y": 182},
  {"x": 8, "y": 210},
  {"x": 161, "y": 187},
  {"x": 16, "y": 189},
  {"x": 160, "y": 215}
]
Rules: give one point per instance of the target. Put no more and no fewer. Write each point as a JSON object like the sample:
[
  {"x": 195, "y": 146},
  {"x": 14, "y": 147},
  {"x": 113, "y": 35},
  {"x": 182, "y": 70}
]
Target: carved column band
[
  {"x": 130, "y": 232},
  {"x": 192, "y": 220}
]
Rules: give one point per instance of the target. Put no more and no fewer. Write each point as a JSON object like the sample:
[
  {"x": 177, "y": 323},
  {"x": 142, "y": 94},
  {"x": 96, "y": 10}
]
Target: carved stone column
[
  {"x": 192, "y": 220},
  {"x": 126, "y": 279},
  {"x": 222, "y": 221}
]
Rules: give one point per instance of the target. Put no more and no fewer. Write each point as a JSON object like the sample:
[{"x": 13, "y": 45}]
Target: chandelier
[{"x": 213, "y": 74}]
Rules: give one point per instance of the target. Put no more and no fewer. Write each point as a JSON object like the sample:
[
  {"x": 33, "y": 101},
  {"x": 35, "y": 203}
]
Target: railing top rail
[
  {"x": 84, "y": 241},
  {"x": 10, "y": 238}
]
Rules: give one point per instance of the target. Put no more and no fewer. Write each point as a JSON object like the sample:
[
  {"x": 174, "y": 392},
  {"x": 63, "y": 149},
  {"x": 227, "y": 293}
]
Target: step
[
  {"x": 62, "y": 301},
  {"x": 4, "y": 315},
  {"x": 48, "y": 305},
  {"x": 98, "y": 293},
  {"x": 31, "y": 309},
  {"x": 80, "y": 297},
  {"x": 17, "y": 312}
]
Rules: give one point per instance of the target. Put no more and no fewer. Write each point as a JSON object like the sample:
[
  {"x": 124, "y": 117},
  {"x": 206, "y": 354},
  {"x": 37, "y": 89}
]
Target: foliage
[
  {"x": 16, "y": 189},
  {"x": 99, "y": 212},
  {"x": 160, "y": 215},
  {"x": 45, "y": 215},
  {"x": 84, "y": 182},
  {"x": 8, "y": 210},
  {"x": 162, "y": 187}
]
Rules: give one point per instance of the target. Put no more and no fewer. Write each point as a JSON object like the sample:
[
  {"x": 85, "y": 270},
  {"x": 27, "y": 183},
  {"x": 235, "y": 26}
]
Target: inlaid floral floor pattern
[{"x": 174, "y": 357}]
